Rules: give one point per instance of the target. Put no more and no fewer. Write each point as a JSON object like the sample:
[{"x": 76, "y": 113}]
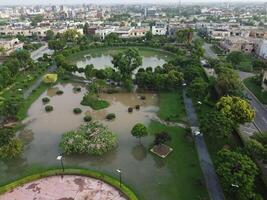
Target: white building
[
  {"x": 159, "y": 29},
  {"x": 261, "y": 49},
  {"x": 104, "y": 31}
]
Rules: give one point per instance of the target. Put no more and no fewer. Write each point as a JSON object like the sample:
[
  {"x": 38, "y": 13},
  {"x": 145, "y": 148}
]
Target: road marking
[{"x": 265, "y": 120}]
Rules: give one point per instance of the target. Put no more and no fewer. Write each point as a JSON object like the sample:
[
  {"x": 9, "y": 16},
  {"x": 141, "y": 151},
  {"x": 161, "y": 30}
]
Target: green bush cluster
[
  {"x": 59, "y": 92},
  {"x": 91, "y": 138},
  {"x": 110, "y": 116},
  {"x": 77, "y": 110},
  {"x": 45, "y": 100},
  {"x": 95, "y": 103},
  {"x": 87, "y": 118},
  {"x": 49, "y": 108}
]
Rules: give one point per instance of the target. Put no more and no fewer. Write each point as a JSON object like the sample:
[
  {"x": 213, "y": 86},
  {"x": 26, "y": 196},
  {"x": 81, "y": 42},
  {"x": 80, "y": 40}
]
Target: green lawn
[
  {"x": 171, "y": 106},
  {"x": 186, "y": 180},
  {"x": 256, "y": 90}
]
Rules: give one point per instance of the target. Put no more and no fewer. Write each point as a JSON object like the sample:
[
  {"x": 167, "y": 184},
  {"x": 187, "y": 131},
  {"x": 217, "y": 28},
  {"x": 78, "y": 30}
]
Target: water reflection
[{"x": 139, "y": 152}]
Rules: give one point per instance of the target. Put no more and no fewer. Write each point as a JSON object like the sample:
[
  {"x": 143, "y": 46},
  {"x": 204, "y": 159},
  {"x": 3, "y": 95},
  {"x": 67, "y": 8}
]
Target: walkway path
[
  {"x": 213, "y": 185},
  {"x": 166, "y": 123},
  {"x": 67, "y": 187},
  {"x": 37, "y": 83}
]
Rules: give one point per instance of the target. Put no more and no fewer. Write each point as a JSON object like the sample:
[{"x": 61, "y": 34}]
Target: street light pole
[
  {"x": 119, "y": 172},
  {"x": 61, "y": 161}
]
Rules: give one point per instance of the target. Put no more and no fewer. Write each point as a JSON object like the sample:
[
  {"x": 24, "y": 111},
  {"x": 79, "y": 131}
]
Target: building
[
  {"x": 138, "y": 32},
  {"x": 261, "y": 48},
  {"x": 104, "y": 31},
  {"x": 159, "y": 29},
  {"x": 237, "y": 44},
  {"x": 10, "y": 45}
]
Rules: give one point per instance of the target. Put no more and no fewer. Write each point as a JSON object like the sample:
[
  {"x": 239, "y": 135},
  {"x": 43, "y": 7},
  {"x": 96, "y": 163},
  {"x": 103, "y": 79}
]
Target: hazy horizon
[{"x": 40, "y": 2}]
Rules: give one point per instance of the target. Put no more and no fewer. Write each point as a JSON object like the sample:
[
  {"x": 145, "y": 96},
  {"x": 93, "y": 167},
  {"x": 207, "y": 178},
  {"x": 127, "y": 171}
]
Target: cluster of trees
[
  {"x": 59, "y": 42},
  {"x": 10, "y": 147},
  {"x": 167, "y": 77},
  {"x": 17, "y": 61}
]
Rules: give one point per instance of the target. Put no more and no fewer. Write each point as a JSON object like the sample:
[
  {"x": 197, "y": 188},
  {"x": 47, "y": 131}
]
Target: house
[
  {"x": 10, "y": 45},
  {"x": 237, "y": 44},
  {"x": 219, "y": 33},
  {"x": 123, "y": 32},
  {"x": 102, "y": 32},
  {"x": 138, "y": 32},
  {"x": 159, "y": 29}
]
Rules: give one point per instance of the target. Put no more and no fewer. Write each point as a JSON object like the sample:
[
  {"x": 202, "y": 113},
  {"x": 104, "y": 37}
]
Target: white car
[{"x": 195, "y": 131}]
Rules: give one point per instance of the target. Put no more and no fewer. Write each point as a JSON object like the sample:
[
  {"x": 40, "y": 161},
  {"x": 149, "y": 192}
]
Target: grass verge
[
  {"x": 256, "y": 90},
  {"x": 171, "y": 107},
  {"x": 83, "y": 172},
  {"x": 186, "y": 180}
]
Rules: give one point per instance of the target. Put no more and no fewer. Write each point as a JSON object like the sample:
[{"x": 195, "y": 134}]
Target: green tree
[
  {"x": 192, "y": 72},
  {"x": 184, "y": 36},
  {"x": 256, "y": 149},
  {"x": 139, "y": 130},
  {"x": 126, "y": 62},
  {"x": 236, "y": 109},
  {"x": 237, "y": 173},
  {"x": 36, "y": 19},
  {"x": 50, "y": 35},
  {"x": 71, "y": 35},
  {"x": 88, "y": 71},
  {"x": 149, "y": 36},
  {"x": 235, "y": 57},
  {"x": 215, "y": 124},
  {"x": 228, "y": 83},
  {"x": 198, "y": 88},
  {"x": 85, "y": 29},
  {"x": 161, "y": 138},
  {"x": 57, "y": 44},
  {"x": 112, "y": 38}
]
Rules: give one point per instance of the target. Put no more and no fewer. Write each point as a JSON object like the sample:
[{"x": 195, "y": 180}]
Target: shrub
[
  {"x": 92, "y": 138},
  {"x": 137, "y": 107},
  {"x": 87, "y": 118},
  {"x": 95, "y": 103},
  {"x": 59, "y": 92},
  {"x": 130, "y": 109},
  {"x": 49, "y": 108},
  {"x": 77, "y": 110},
  {"x": 143, "y": 97},
  {"x": 50, "y": 78},
  {"x": 45, "y": 100},
  {"x": 110, "y": 116},
  {"x": 77, "y": 89}
]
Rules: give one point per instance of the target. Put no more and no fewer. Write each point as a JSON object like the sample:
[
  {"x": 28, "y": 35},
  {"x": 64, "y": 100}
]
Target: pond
[
  {"x": 43, "y": 131},
  {"x": 102, "y": 59}
]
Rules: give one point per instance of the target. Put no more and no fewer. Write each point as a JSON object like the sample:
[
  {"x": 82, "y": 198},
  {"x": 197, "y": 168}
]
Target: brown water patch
[{"x": 80, "y": 182}]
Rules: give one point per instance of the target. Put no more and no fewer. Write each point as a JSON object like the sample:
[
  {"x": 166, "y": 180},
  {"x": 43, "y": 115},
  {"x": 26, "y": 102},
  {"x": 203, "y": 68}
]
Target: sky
[{"x": 23, "y": 2}]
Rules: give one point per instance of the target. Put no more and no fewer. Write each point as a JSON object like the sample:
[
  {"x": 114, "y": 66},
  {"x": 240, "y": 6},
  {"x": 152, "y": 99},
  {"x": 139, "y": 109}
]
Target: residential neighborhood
[{"x": 138, "y": 100}]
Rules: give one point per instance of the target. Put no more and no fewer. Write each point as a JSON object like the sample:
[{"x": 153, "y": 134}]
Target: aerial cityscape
[{"x": 137, "y": 100}]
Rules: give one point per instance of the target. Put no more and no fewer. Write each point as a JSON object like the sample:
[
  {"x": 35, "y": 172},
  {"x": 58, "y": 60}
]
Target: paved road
[
  {"x": 260, "y": 120},
  {"x": 213, "y": 185},
  {"x": 41, "y": 51},
  {"x": 208, "y": 51},
  {"x": 34, "y": 86}
]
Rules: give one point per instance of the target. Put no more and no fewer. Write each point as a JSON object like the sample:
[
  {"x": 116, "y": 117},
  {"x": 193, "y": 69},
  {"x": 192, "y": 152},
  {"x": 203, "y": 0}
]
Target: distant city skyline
[{"x": 34, "y": 2}]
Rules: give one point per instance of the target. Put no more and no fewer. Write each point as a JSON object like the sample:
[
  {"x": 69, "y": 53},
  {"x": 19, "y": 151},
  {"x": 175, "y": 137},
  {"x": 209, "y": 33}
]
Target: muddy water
[{"x": 43, "y": 131}]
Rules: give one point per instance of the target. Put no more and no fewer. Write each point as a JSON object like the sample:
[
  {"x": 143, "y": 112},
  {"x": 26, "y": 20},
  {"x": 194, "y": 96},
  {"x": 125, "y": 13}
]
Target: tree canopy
[
  {"x": 237, "y": 173},
  {"x": 236, "y": 109},
  {"x": 126, "y": 62}
]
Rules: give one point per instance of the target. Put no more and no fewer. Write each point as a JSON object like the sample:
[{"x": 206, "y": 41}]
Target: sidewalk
[{"x": 212, "y": 182}]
